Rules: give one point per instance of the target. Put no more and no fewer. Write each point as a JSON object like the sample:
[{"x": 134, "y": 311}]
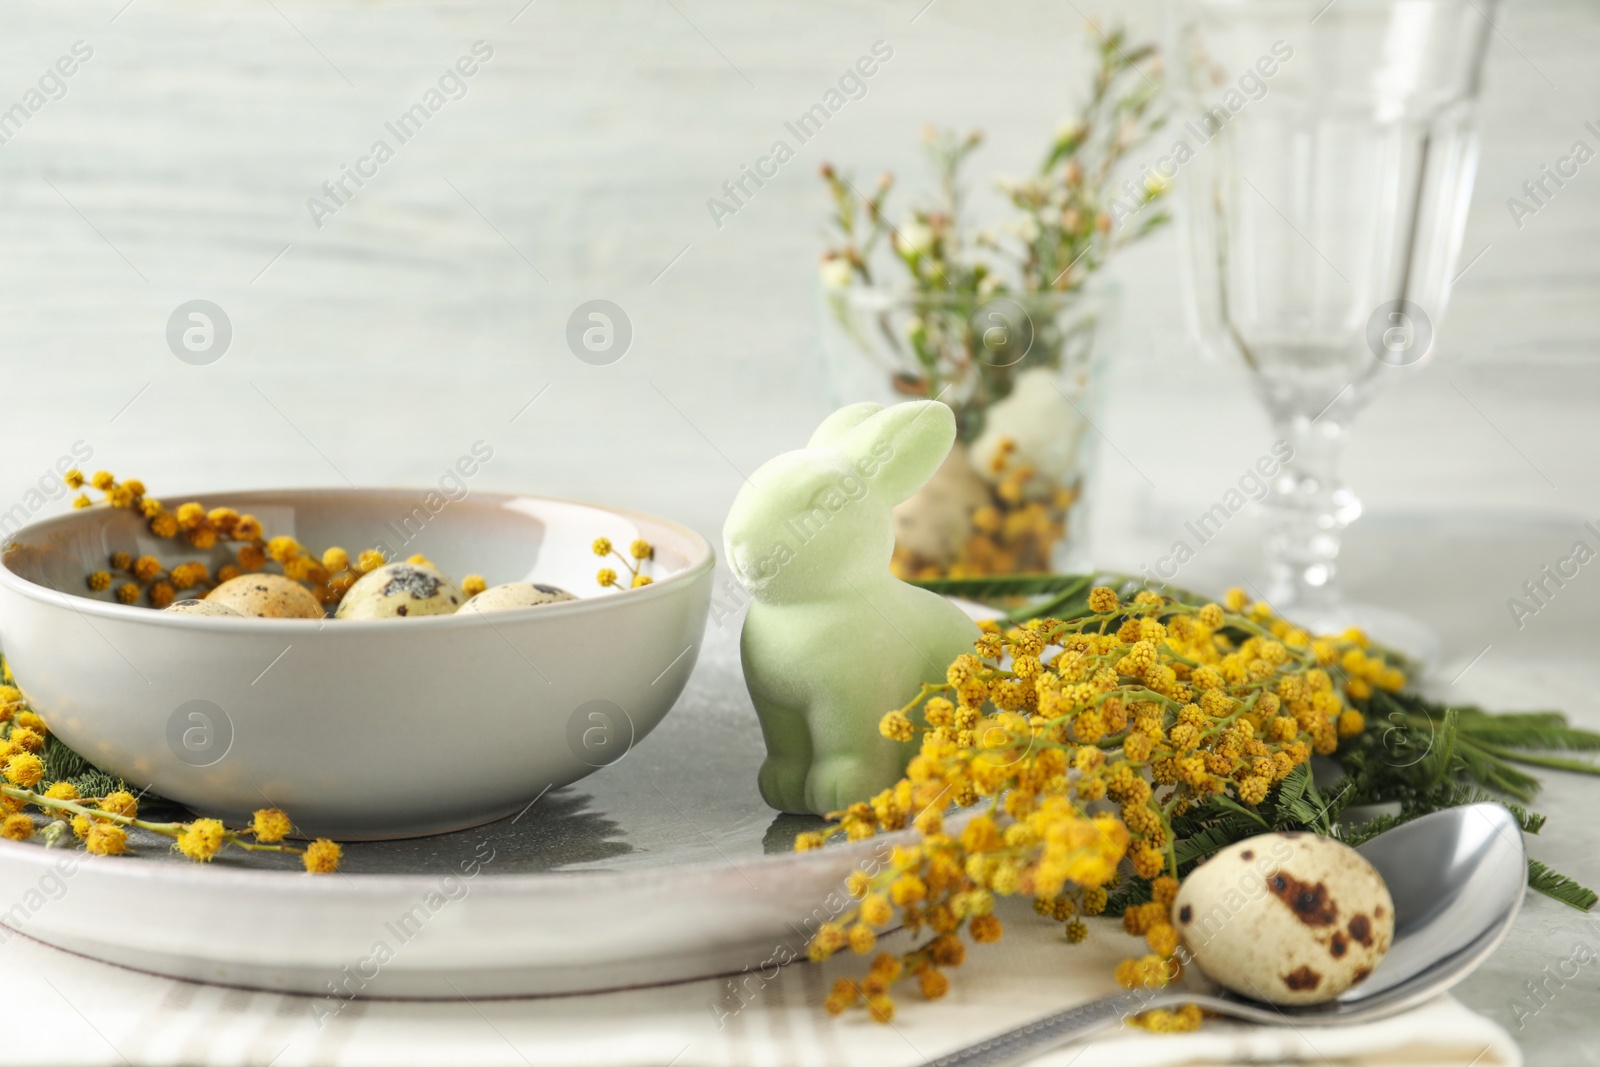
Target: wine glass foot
[{"x": 1415, "y": 640}]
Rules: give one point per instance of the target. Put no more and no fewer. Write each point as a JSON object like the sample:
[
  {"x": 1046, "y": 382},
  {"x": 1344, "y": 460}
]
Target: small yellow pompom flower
[
  {"x": 907, "y": 889},
  {"x": 934, "y": 984},
  {"x": 602, "y": 546},
  {"x": 99, "y": 581},
  {"x": 370, "y": 560},
  {"x": 102, "y": 480},
  {"x": 896, "y": 727},
  {"x": 128, "y": 593},
  {"x": 62, "y": 791},
  {"x": 1162, "y": 939},
  {"x": 121, "y": 802},
  {"x": 606, "y": 576},
  {"x": 985, "y": 928},
  {"x": 81, "y": 825},
  {"x": 190, "y": 515},
  {"x": 105, "y": 839},
  {"x": 335, "y": 559},
  {"x": 18, "y": 827},
  {"x": 164, "y": 524},
  {"x": 73, "y": 478},
  {"x": 201, "y": 839},
  {"x": 1102, "y": 601},
  {"x": 270, "y": 825},
  {"x": 283, "y": 548},
  {"x": 473, "y": 584},
  {"x": 641, "y": 550},
  {"x": 1095, "y": 899},
  {"x": 642, "y": 580},
  {"x": 248, "y": 528},
  {"x": 81, "y": 501},
  {"x": 24, "y": 769},
  {"x": 322, "y": 856}
]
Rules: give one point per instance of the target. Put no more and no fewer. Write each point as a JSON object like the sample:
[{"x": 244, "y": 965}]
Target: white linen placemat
[{"x": 82, "y": 1013}]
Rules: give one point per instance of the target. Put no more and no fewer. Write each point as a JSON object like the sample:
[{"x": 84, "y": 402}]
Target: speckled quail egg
[
  {"x": 1289, "y": 918},
  {"x": 202, "y": 607},
  {"x": 516, "y": 595},
  {"x": 400, "y": 591},
  {"x": 267, "y": 596}
]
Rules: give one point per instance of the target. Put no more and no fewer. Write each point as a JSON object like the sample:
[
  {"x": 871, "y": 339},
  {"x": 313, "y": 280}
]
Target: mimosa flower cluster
[
  {"x": 1053, "y": 759},
  {"x": 329, "y": 573},
  {"x": 639, "y": 553},
  {"x": 1014, "y": 533},
  {"x": 101, "y": 823}
]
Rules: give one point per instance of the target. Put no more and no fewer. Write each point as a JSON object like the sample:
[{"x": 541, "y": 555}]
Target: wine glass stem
[{"x": 1307, "y": 511}]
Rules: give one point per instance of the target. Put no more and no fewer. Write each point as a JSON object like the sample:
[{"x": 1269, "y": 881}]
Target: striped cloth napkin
[{"x": 82, "y": 1012}]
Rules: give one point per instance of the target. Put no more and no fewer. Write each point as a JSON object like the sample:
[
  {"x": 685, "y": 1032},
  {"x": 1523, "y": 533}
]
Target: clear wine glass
[{"x": 1332, "y": 148}]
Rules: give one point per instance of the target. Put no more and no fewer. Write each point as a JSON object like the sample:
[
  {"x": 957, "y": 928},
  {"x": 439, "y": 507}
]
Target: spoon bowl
[{"x": 1457, "y": 878}]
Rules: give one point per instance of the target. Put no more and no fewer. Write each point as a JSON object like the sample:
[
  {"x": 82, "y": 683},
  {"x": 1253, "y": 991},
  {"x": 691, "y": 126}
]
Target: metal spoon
[{"x": 1457, "y": 878}]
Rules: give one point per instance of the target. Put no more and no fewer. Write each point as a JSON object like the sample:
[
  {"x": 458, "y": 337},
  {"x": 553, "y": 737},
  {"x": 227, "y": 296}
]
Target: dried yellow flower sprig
[
  {"x": 1015, "y": 533},
  {"x": 639, "y": 553},
  {"x": 101, "y": 822},
  {"x": 1154, "y": 705},
  {"x": 329, "y": 573}
]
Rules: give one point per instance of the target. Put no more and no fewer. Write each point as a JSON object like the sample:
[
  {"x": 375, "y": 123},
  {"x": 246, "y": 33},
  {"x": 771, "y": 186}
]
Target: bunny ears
[{"x": 906, "y": 442}]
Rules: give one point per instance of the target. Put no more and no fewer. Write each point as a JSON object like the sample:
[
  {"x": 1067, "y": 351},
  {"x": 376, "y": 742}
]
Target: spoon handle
[{"x": 1024, "y": 1042}]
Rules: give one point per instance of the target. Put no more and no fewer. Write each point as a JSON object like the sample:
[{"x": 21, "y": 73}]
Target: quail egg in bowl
[
  {"x": 517, "y": 595},
  {"x": 334, "y": 720},
  {"x": 400, "y": 591}
]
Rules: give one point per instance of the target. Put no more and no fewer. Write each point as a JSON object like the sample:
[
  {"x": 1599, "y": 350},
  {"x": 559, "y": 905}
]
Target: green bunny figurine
[{"x": 833, "y": 641}]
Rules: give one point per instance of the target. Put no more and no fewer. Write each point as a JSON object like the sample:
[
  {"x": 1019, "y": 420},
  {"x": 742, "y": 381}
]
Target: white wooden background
[{"x": 428, "y": 312}]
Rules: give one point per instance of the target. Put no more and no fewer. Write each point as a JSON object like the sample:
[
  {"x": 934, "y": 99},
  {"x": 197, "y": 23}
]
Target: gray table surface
[{"x": 178, "y": 165}]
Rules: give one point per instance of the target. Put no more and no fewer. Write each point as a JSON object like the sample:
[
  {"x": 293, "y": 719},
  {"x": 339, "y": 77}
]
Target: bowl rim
[{"x": 703, "y": 560}]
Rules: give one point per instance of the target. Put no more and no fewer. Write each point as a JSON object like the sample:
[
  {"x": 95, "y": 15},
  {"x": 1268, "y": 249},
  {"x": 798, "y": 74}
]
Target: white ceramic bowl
[{"x": 361, "y": 729}]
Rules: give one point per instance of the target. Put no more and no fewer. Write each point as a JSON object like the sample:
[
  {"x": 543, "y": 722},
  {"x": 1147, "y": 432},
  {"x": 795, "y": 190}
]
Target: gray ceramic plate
[{"x": 664, "y": 865}]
